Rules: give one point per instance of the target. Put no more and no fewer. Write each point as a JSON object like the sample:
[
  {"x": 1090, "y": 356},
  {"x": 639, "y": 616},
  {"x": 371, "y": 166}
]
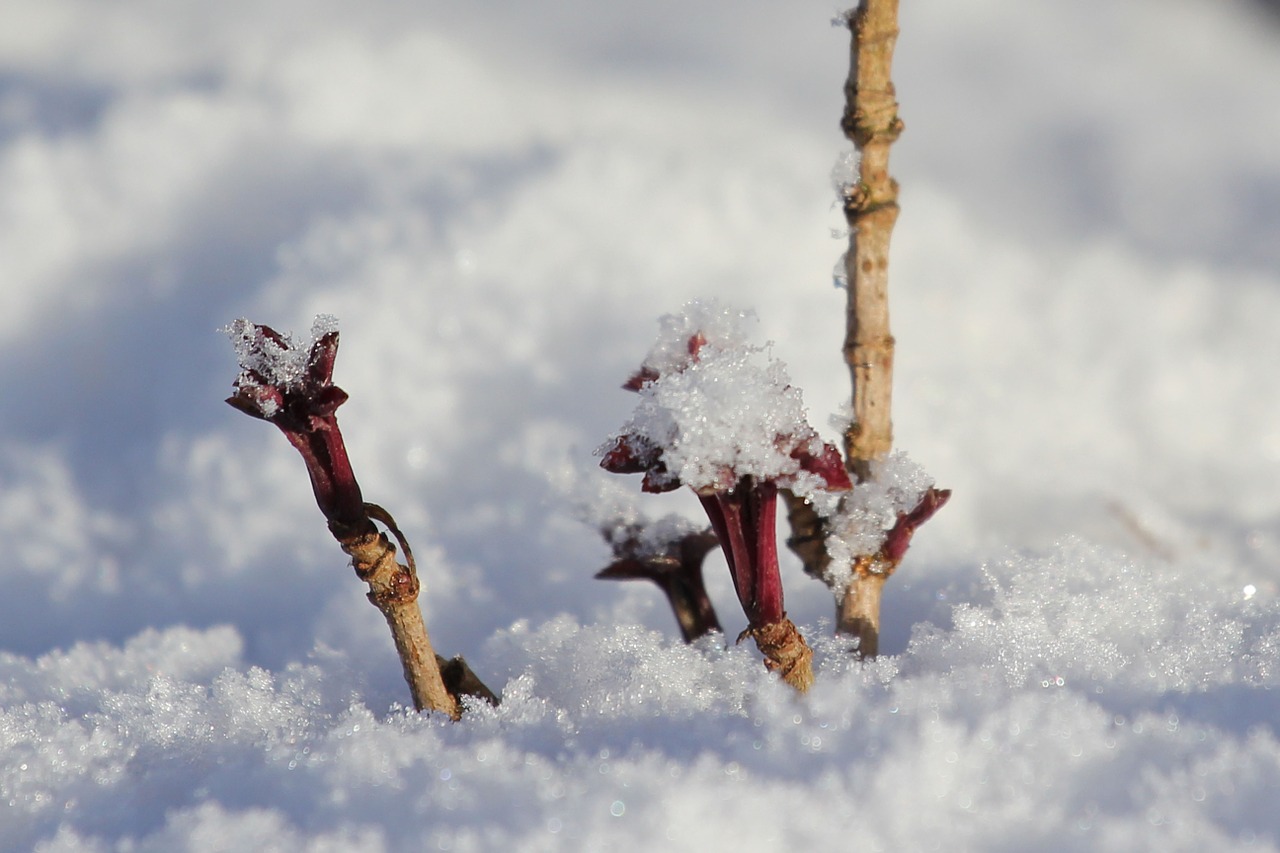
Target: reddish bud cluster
[
  {"x": 743, "y": 512},
  {"x": 305, "y": 410}
]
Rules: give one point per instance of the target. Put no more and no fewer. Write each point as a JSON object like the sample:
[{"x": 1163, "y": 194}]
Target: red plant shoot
[
  {"x": 292, "y": 387},
  {"x": 718, "y": 417}
]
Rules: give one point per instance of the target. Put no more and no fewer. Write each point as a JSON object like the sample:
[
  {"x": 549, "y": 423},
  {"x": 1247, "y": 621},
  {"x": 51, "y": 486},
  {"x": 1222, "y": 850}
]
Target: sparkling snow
[
  {"x": 718, "y": 406},
  {"x": 1082, "y": 648},
  {"x": 281, "y": 363}
]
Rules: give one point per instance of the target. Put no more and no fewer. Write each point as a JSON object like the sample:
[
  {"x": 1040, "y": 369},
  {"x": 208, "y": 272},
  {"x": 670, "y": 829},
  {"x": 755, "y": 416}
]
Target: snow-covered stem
[
  {"x": 717, "y": 414},
  {"x": 858, "y": 613},
  {"x": 871, "y": 122}
]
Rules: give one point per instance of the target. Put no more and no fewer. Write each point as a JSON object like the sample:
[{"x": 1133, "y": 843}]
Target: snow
[
  {"x": 703, "y": 331},
  {"x": 716, "y": 408},
  {"x": 283, "y": 362},
  {"x": 1082, "y": 650},
  {"x": 844, "y": 175},
  {"x": 859, "y": 521}
]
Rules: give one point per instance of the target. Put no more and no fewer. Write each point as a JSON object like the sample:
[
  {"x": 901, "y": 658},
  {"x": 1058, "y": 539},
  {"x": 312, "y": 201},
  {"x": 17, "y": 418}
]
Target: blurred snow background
[{"x": 498, "y": 200}]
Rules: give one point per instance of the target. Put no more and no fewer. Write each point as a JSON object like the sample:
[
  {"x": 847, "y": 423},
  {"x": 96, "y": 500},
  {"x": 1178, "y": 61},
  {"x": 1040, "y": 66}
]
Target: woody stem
[{"x": 393, "y": 589}]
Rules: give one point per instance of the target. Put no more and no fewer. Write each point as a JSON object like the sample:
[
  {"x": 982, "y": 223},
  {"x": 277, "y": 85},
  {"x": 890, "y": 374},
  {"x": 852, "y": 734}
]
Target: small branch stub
[{"x": 674, "y": 564}]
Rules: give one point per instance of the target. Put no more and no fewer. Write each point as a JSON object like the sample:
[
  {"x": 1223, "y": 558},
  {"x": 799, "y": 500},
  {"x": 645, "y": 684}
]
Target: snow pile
[{"x": 1097, "y": 620}]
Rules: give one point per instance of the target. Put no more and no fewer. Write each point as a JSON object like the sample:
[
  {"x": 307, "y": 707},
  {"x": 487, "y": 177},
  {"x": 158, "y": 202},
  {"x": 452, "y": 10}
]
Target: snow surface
[{"x": 499, "y": 200}]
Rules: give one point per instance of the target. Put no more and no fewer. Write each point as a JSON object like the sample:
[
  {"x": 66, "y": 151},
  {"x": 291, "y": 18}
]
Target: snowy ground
[{"x": 498, "y": 200}]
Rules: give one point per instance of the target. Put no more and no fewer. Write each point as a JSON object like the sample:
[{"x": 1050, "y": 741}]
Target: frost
[
  {"x": 723, "y": 330},
  {"x": 606, "y": 506},
  {"x": 840, "y": 272},
  {"x": 265, "y": 360},
  {"x": 844, "y": 175},
  {"x": 649, "y": 538},
  {"x": 722, "y": 416}
]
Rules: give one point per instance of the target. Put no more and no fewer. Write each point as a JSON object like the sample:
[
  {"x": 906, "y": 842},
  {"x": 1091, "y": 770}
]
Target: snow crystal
[
  {"x": 279, "y": 363},
  {"x": 844, "y": 175},
  {"x": 722, "y": 329},
  {"x": 649, "y": 538},
  {"x": 656, "y": 536},
  {"x": 602, "y": 503},
  {"x": 595, "y": 499},
  {"x": 840, "y": 271}
]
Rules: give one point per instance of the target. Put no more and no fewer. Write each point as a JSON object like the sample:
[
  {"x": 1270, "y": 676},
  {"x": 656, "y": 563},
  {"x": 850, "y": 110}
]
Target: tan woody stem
[
  {"x": 858, "y": 614},
  {"x": 393, "y": 589},
  {"x": 871, "y": 122}
]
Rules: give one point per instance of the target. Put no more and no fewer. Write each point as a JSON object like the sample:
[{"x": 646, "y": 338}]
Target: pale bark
[
  {"x": 859, "y": 611},
  {"x": 872, "y": 123},
  {"x": 393, "y": 589}
]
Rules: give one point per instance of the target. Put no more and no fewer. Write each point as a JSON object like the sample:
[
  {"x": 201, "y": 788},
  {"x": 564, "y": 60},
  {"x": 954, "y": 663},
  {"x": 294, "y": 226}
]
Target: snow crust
[{"x": 1081, "y": 650}]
